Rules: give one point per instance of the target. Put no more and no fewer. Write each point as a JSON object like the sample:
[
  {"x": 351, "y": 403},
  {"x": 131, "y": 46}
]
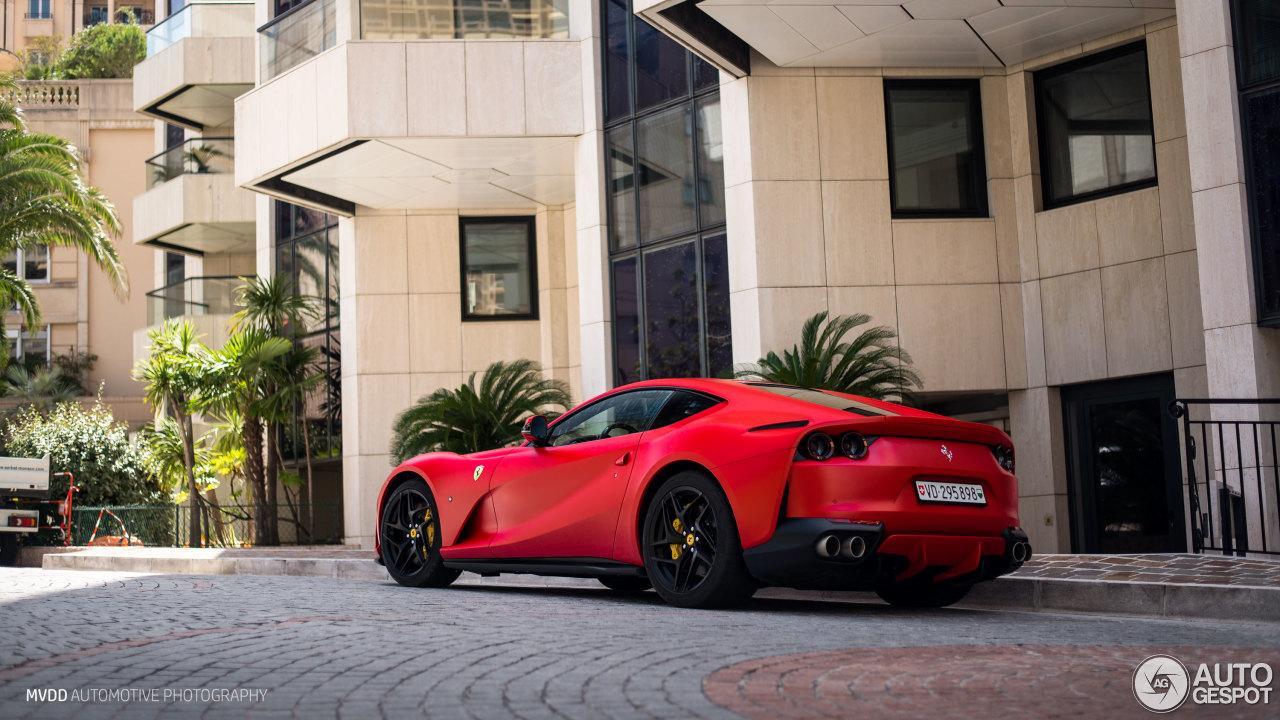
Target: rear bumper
[{"x": 791, "y": 559}]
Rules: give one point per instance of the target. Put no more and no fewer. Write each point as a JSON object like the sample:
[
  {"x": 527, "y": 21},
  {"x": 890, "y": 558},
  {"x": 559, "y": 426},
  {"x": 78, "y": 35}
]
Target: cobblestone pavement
[{"x": 325, "y": 647}]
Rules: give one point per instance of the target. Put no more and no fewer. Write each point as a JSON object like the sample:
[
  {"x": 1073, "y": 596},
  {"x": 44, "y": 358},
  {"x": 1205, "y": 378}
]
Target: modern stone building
[{"x": 1061, "y": 207}]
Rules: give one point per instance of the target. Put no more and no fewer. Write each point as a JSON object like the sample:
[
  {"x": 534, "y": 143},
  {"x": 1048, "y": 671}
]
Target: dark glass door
[{"x": 1122, "y": 458}]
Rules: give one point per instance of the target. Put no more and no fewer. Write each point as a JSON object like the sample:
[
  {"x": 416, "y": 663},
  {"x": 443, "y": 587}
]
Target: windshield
[{"x": 818, "y": 397}]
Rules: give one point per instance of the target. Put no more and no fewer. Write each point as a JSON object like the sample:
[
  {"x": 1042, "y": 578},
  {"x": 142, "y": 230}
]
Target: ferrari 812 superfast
[{"x": 706, "y": 490}]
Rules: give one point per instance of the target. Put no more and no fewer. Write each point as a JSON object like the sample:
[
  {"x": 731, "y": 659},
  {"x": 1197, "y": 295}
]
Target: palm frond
[
  {"x": 481, "y": 414},
  {"x": 870, "y": 364}
]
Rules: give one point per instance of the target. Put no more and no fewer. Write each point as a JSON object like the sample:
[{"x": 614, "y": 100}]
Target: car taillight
[
  {"x": 25, "y": 522},
  {"x": 818, "y": 446},
  {"x": 1004, "y": 456}
]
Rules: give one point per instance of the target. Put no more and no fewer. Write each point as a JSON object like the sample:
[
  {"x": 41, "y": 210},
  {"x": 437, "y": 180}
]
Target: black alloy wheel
[
  {"x": 410, "y": 538},
  {"x": 691, "y": 547}
]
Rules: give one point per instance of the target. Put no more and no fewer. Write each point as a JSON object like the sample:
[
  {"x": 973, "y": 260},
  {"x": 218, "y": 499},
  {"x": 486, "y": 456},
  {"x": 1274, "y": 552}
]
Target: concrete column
[
  {"x": 595, "y": 326},
  {"x": 1036, "y": 419},
  {"x": 1243, "y": 359}
]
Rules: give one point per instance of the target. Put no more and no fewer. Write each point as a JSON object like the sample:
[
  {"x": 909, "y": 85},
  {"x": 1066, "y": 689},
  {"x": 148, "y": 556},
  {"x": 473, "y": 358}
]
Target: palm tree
[
  {"x": 271, "y": 306},
  {"x": 44, "y": 201},
  {"x": 239, "y": 381},
  {"x": 868, "y": 365},
  {"x": 175, "y": 375},
  {"x": 478, "y": 416},
  {"x": 42, "y": 389}
]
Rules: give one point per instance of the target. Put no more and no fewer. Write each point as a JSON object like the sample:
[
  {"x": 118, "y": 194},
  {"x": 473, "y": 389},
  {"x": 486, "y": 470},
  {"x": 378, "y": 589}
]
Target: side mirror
[{"x": 535, "y": 431}]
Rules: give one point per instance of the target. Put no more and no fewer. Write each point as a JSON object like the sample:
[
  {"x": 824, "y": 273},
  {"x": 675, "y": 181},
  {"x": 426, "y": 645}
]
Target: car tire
[
  {"x": 409, "y": 537},
  {"x": 8, "y": 549},
  {"x": 922, "y": 595},
  {"x": 625, "y": 584},
  {"x": 690, "y": 544}
]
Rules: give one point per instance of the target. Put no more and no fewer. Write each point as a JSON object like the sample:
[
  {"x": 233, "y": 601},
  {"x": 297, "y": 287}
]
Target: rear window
[
  {"x": 818, "y": 397},
  {"x": 682, "y": 405}
]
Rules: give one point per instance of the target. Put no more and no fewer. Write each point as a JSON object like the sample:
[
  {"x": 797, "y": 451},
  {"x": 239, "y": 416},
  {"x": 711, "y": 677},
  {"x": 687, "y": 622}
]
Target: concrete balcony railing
[
  {"x": 198, "y": 60},
  {"x": 192, "y": 204}
]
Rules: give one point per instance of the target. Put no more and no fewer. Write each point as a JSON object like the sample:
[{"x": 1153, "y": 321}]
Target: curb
[{"x": 1166, "y": 601}]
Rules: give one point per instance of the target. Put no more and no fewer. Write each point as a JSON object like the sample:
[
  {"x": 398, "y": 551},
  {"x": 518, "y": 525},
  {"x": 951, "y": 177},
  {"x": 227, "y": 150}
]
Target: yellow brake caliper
[
  {"x": 676, "y": 549},
  {"x": 430, "y": 529}
]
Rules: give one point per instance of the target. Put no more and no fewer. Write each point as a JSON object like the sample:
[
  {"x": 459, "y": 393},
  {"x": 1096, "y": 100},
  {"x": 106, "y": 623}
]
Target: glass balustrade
[
  {"x": 231, "y": 18},
  {"x": 297, "y": 36},
  {"x": 463, "y": 19},
  {"x": 196, "y": 156},
  {"x": 208, "y": 295}
]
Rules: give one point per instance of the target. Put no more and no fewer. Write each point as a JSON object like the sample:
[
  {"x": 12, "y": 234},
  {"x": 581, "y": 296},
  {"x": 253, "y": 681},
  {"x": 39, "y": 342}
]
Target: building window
[
  {"x": 30, "y": 264},
  {"x": 306, "y": 250},
  {"x": 1257, "y": 49},
  {"x": 935, "y": 148},
  {"x": 499, "y": 268},
  {"x": 664, "y": 160},
  {"x": 38, "y": 10},
  {"x": 31, "y": 350},
  {"x": 1094, "y": 118}
]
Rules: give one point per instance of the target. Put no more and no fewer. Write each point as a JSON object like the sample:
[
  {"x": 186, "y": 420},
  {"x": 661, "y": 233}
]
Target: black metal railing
[
  {"x": 169, "y": 525},
  {"x": 1232, "y": 473}
]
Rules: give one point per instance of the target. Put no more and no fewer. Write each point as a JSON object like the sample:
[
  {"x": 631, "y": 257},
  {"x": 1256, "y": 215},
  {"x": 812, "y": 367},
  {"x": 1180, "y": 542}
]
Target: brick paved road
[{"x": 357, "y": 649}]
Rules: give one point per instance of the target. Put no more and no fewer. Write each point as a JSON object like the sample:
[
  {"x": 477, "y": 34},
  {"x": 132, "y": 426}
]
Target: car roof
[{"x": 749, "y": 391}]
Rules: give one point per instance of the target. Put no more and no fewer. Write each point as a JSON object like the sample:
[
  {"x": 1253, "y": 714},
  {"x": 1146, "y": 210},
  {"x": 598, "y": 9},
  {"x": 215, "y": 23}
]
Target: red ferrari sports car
[{"x": 708, "y": 489}]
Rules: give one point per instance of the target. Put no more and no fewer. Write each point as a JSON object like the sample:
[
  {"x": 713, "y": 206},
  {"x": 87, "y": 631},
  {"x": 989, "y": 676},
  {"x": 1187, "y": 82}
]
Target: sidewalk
[{"x": 1202, "y": 587}]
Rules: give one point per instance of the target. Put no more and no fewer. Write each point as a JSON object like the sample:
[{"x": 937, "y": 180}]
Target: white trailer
[{"x": 23, "y": 481}]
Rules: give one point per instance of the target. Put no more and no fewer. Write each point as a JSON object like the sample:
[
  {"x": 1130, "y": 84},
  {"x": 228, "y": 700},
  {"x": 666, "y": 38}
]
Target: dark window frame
[
  {"x": 532, "y": 236},
  {"x": 1245, "y": 91},
  {"x": 698, "y": 235},
  {"x": 1043, "y": 150},
  {"x": 977, "y": 173}
]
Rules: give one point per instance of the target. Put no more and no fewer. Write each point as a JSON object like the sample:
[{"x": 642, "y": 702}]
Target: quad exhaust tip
[
  {"x": 828, "y": 546},
  {"x": 854, "y": 548},
  {"x": 1021, "y": 552}
]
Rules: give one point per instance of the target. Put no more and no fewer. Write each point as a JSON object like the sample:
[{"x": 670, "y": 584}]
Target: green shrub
[
  {"x": 102, "y": 51},
  {"x": 109, "y": 468}
]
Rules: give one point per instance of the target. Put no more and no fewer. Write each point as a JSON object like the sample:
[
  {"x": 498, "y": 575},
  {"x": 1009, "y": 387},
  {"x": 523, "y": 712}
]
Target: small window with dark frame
[
  {"x": 936, "y": 164},
  {"x": 1094, "y": 120},
  {"x": 499, "y": 268}
]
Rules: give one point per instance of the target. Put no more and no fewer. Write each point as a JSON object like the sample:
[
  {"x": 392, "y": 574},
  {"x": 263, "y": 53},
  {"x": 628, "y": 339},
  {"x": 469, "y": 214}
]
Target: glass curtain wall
[
  {"x": 665, "y": 174},
  {"x": 306, "y": 247}
]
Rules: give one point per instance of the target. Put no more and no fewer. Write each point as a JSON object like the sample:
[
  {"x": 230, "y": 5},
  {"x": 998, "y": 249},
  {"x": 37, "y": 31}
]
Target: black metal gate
[{"x": 1232, "y": 474}]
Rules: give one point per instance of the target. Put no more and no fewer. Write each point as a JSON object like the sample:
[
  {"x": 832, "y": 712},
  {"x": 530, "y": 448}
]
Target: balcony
[
  {"x": 194, "y": 297},
  {"x": 192, "y": 204},
  {"x": 208, "y": 302},
  {"x": 198, "y": 60},
  {"x": 440, "y": 104}
]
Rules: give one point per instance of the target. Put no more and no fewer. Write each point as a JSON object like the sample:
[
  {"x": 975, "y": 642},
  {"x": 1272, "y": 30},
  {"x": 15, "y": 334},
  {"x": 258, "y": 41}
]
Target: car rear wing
[{"x": 24, "y": 476}]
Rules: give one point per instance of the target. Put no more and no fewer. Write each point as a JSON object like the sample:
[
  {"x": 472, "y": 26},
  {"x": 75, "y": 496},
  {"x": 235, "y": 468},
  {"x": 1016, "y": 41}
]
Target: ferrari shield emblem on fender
[{"x": 475, "y": 476}]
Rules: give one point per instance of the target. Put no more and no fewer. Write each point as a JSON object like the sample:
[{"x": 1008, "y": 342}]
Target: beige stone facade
[
  {"x": 60, "y": 19},
  {"x": 402, "y": 137},
  {"x": 81, "y": 308}
]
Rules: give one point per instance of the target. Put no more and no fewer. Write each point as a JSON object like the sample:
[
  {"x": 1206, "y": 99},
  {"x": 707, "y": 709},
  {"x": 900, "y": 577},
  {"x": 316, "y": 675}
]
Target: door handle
[{"x": 626, "y": 458}]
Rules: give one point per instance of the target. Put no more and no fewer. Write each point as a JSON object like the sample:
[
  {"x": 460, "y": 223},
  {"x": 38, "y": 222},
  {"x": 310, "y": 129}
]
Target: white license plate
[{"x": 953, "y": 493}]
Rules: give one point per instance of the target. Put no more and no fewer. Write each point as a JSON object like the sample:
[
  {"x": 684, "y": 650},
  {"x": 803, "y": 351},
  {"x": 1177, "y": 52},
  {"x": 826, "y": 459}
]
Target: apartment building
[
  {"x": 1059, "y": 206},
  {"x": 24, "y": 22},
  {"x": 81, "y": 310}
]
